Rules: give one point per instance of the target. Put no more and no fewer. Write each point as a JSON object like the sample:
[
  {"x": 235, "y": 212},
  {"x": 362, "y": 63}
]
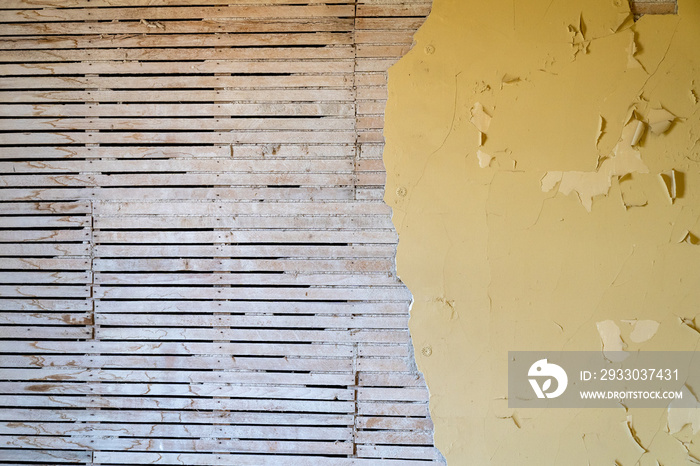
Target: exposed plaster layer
[{"x": 497, "y": 101}]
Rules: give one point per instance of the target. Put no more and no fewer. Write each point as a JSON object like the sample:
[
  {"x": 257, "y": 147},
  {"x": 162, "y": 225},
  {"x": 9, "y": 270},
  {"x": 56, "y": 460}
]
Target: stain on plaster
[{"x": 542, "y": 165}]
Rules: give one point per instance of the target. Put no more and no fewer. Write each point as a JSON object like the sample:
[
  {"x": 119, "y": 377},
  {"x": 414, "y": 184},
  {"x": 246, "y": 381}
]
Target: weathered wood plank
[
  {"x": 157, "y": 390},
  {"x": 268, "y": 124},
  {"x": 44, "y": 235},
  {"x": 330, "y": 350},
  {"x": 394, "y": 438},
  {"x": 268, "y": 335},
  {"x": 188, "y": 152},
  {"x": 233, "y": 207},
  {"x": 187, "y": 362},
  {"x": 44, "y": 249},
  {"x": 178, "y": 54},
  {"x": 386, "y": 236},
  {"x": 34, "y": 263},
  {"x": 396, "y": 293},
  {"x": 19, "y": 208},
  {"x": 350, "y": 222},
  {"x": 160, "y": 83},
  {"x": 47, "y": 456},
  {"x": 172, "y": 13},
  {"x": 209, "y": 66},
  {"x": 206, "y": 137},
  {"x": 235, "y": 39},
  {"x": 248, "y": 321},
  {"x": 318, "y": 193},
  {"x": 233, "y": 404},
  {"x": 45, "y": 291},
  {"x": 104, "y": 279},
  {"x": 45, "y": 319},
  {"x": 46, "y": 221},
  {"x": 34, "y": 304},
  {"x": 180, "y": 430},
  {"x": 245, "y": 251},
  {"x": 303, "y": 307},
  {"x": 229, "y": 265},
  {"x": 184, "y": 376},
  {"x": 394, "y": 423},
  {"x": 45, "y": 277},
  {"x": 35, "y": 333},
  {"x": 283, "y": 179},
  {"x": 180, "y": 165},
  {"x": 209, "y": 26},
  {"x": 242, "y": 460},
  {"x": 189, "y": 445},
  {"x": 175, "y": 417},
  {"x": 178, "y": 110}
]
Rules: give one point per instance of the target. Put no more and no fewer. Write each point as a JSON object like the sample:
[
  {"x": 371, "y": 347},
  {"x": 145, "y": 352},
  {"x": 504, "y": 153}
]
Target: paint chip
[
  {"x": 683, "y": 412},
  {"x": 612, "y": 341},
  {"x": 690, "y": 238},
  {"x": 587, "y": 185},
  {"x": 639, "y": 128},
  {"x": 484, "y": 158},
  {"x": 601, "y": 129},
  {"x": 480, "y": 118},
  {"x": 632, "y": 193},
  {"x": 642, "y": 330},
  {"x": 660, "y": 120},
  {"x": 669, "y": 179}
]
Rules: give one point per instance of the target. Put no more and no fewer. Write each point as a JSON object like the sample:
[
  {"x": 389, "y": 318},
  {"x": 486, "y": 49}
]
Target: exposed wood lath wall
[{"x": 197, "y": 264}]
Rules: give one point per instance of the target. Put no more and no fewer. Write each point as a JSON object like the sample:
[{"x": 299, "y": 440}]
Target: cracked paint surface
[{"x": 497, "y": 101}]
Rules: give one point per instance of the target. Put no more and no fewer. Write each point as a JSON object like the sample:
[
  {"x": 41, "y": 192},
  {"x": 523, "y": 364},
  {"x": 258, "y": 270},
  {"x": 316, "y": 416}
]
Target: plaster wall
[{"x": 542, "y": 162}]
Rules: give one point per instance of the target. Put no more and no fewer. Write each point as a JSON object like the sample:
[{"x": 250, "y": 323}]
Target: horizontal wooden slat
[
  {"x": 269, "y": 335},
  {"x": 175, "y": 417},
  {"x": 170, "y": 13},
  {"x": 104, "y": 279},
  {"x": 237, "y": 39},
  {"x": 387, "y": 236},
  {"x": 175, "y": 390},
  {"x": 304, "y": 307},
  {"x": 161, "y": 83},
  {"x": 180, "y": 123},
  {"x": 175, "y": 166},
  {"x": 228, "y": 251},
  {"x": 29, "y": 263},
  {"x": 275, "y": 460},
  {"x": 184, "y": 376},
  {"x": 233, "y": 404},
  {"x": 44, "y": 249},
  {"x": 318, "y": 193},
  {"x": 46, "y": 456},
  {"x": 194, "y": 445},
  {"x": 179, "y": 430},
  {"x": 189, "y": 152},
  {"x": 180, "y": 137},
  {"x": 185, "y": 27},
  {"x": 177, "y": 179},
  {"x": 155, "y": 292},
  {"x": 178, "y": 110},
  {"x": 366, "y": 322},
  {"x": 45, "y": 277},
  {"x": 182, "y": 348}
]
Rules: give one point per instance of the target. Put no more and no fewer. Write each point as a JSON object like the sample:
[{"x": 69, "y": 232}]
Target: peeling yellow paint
[{"x": 542, "y": 164}]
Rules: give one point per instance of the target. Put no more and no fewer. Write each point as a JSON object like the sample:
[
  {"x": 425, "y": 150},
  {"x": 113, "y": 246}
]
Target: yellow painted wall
[{"x": 583, "y": 109}]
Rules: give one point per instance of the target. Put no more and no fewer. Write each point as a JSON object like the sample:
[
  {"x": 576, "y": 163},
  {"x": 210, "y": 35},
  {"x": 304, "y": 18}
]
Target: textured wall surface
[{"x": 532, "y": 152}]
